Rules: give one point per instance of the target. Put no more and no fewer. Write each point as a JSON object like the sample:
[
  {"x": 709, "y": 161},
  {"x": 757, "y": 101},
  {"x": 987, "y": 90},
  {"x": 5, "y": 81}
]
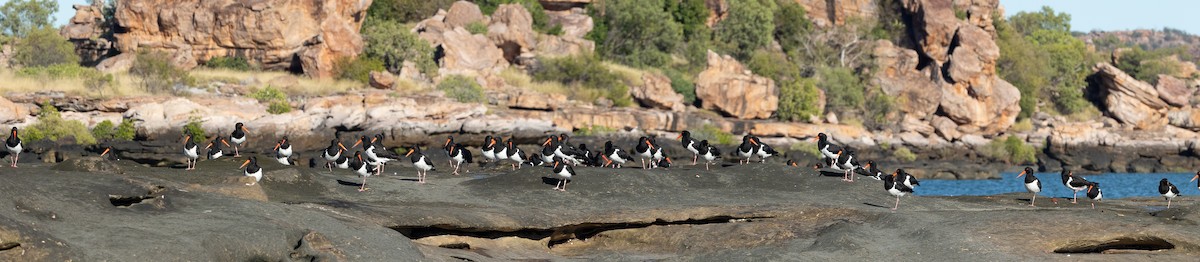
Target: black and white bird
[
  {"x": 500, "y": 150},
  {"x": 1197, "y": 176},
  {"x": 665, "y": 162},
  {"x": 614, "y": 156},
  {"x": 1167, "y": 190},
  {"x": 446, "y": 146},
  {"x": 1032, "y": 184},
  {"x": 283, "y": 147},
  {"x": 13, "y": 145},
  {"x": 342, "y": 162},
  {"x": 746, "y": 150},
  {"x": 489, "y": 144},
  {"x": 547, "y": 154},
  {"x": 764, "y": 150},
  {"x": 283, "y": 160},
  {"x": 458, "y": 156},
  {"x": 191, "y": 151},
  {"x": 332, "y": 153},
  {"x": 909, "y": 180},
  {"x": 252, "y": 170},
  {"x": 563, "y": 173},
  {"x": 829, "y": 150},
  {"x": 420, "y": 162},
  {"x": 847, "y": 162},
  {"x": 659, "y": 155},
  {"x": 709, "y": 153},
  {"x": 690, "y": 144},
  {"x": 1074, "y": 183},
  {"x": 645, "y": 151},
  {"x": 534, "y": 161},
  {"x": 364, "y": 169},
  {"x": 892, "y": 184},
  {"x": 1093, "y": 192},
  {"x": 515, "y": 154},
  {"x": 872, "y": 170},
  {"x": 375, "y": 153},
  {"x": 238, "y": 137},
  {"x": 568, "y": 154},
  {"x": 214, "y": 148}
]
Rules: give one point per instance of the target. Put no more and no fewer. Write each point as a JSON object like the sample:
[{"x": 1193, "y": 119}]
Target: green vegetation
[
  {"x": 229, "y": 62},
  {"x": 714, "y": 135},
  {"x": 404, "y": 11},
  {"x": 639, "y": 33},
  {"x": 156, "y": 72},
  {"x": 277, "y": 100},
  {"x": 19, "y": 18},
  {"x": 106, "y": 131},
  {"x": 1011, "y": 150},
  {"x": 462, "y": 88},
  {"x": 358, "y": 69},
  {"x": 843, "y": 90},
  {"x": 903, "y": 154},
  {"x": 51, "y": 126},
  {"x": 477, "y": 27},
  {"x": 879, "y": 111},
  {"x": 1040, "y": 57},
  {"x": 798, "y": 100},
  {"x": 806, "y": 149},
  {"x": 588, "y": 77},
  {"x": 195, "y": 129},
  {"x": 791, "y": 24},
  {"x": 594, "y": 130},
  {"x": 749, "y": 26},
  {"x": 58, "y": 71},
  {"x": 682, "y": 85},
  {"x": 44, "y": 47},
  {"x": 1146, "y": 65},
  {"x": 392, "y": 43}
]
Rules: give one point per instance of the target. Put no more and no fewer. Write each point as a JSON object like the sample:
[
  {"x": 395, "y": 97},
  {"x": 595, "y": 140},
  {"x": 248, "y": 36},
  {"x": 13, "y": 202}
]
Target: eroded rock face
[
  {"x": 727, "y": 86},
  {"x": 465, "y": 52},
  {"x": 85, "y": 30},
  {"x": 1172, "y": 90},
  {"x": 917, "y": 96},
  {"x": 827, "y": 13},
  {"x": 1128, "y": 100},
  {"x": 273, "y": 33},
  {"x": 463, "y": 13},
  {"x": 11, "y": 112},
  {"x": 656, "y": 92},
  {"x": 511, "y": 29},
  {"x": 382, "y": 80}
]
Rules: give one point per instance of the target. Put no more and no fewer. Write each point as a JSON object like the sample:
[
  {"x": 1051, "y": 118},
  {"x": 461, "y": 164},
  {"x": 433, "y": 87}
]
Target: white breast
[
  {"x": 14, "y": 150},
  {"x": 1033, "y": 187},
  {"x": 238, "y": 141},
  {"x": 895, "y": 192},
  {"x": 420, "y": 164},
  {"x": 257, "y": 175}
]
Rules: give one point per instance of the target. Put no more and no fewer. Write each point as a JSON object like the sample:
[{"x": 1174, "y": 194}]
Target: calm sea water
[{"x": 1114, "y": 185}]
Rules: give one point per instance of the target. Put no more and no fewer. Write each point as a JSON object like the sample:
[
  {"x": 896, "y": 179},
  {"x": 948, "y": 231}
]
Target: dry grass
[
  {"x": 305, "y": 86},
  {"x": 124, "y": 85},
  {"x": 632, "y": 76},
  {"x": 516, "y": 78}
]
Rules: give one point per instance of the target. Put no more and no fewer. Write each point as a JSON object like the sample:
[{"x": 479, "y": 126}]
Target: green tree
[
  {"x": 21, "y": 17},
  {"x": 798, "y": 100},
  {"x": 640, "y": 33},
  {"x": 44, "y": 47},
  {"x": 750, "y": 26},
  {"x": 791, "y": 24},
  {"x": 691, "y": 15},
  {"x": 156, "y": 72},
  {"x": 843, "y": 90},
  {"x": 393, "y": 43},
  {"x": 1047, "y": 55},
  {"x": 1019, "y": 63}
]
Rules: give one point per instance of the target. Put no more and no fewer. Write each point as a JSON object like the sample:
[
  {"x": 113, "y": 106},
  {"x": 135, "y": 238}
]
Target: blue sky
[{"x": 1086, "y": 15}]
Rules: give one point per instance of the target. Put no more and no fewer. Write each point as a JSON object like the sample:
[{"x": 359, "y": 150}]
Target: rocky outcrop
[
  {"x": 656, "y": 92},
  {"x": 11, "y": 113},
  {"x": 511, "y": 29},
  {"x": 1173, "y": 91},
  {"x": 826, "y": 13},
  {"x": 917, "y": 95},
  {"x": 1128, "y": 100},
  {"x": 381, "y": 80},
  {"x": 728, "y": 87},
  {"x": 86, "y": 30},
  {"x": 463, "y": 13},
  {"x": 464, "y": 53},
  {"x": 278, "y": 34}
]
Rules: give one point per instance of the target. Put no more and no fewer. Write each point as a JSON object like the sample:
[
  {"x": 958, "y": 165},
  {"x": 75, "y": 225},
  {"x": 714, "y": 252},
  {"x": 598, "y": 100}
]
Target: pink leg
[
  {"x": 1075, "y": 197},
  {"x": 897, "y": 204},
  {"x": 1031, "y": 201}
]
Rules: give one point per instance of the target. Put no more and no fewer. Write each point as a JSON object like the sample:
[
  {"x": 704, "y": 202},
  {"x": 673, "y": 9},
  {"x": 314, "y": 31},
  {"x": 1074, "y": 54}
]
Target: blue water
[{"x": 1114, "y": 185}]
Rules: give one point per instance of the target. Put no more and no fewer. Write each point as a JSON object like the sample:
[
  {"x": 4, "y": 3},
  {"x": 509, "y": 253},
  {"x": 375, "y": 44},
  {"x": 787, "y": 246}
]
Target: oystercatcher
[
  {"x": 709, "y": 153},
  {"x": 792, "y": 163},
  {"x": 363, "y": 169},
  {"x": 446, "y": 146},
  {"x": 283, "y": 160},
  {"x": 13, "y": 145},
  {"x": 333, "y": 152},
  {"x": 614, "y": 156},
  {"x": 214, "y": 149},
  {"x": 238, "y": 137},
  {"x": 191, "y": 151},
  {"x": 1168, "y": 190},
  {"x": 489, "y": 144},
  {"x": 644, "y": 150},
  {"x": 658, "y": 156},
  {"x": 1194, "y": 179},
  {"x": 665, "y": 162},
  {"x": 458, "y": 156},
  {"x": 564, "y": 173},
  {"x": 569, "y": 155},
  {"x": 419, "y": 161},
  {"x": 872, "y": 170},
  {"x": 1094, "y": 193},
  {"x": 283, "y": 147},
  {"x": 690, "y": 144},
  {"x": 500, "y": 150},
  {"x": 1075, "y": 183},
  {"x": 342, "y": 162},
  {"x": 252, "y": 170},
  {"x": 1032, "y": 184},
  {"x": 534, "y": 161},
  {"x": 747, "y": 150},
  {"x": 764, "y": 150},
  {"x": 909, "y": 180},
  {"x": 893, "y": 186},
  {"x": 376, "y": 154},
  {"x": 515, "y": 154},
  {"x": 828, "y": 149},
  {"x": 848, "y": 163},
  {"x": 547, "y": 154}
]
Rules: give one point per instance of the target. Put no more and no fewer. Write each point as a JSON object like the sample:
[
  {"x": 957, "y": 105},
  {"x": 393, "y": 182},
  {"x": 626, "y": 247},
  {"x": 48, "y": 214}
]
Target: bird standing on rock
[
  {"x": 709, "y": 153},
  {"x": 238, "y": 137},
  {"x": 458, "y": 156},
  {"x": 848, "y": 163},
  {"x": 333, "y": 153},
  {"x": 419, "y": 161},
  {"x": 1075, "y": 183},
  {"x": 1194, "y": 179},
  {"x": 690, "y": 144},
  {"x": 214, "y": 149},
  {"x": 614, "y": 156},
  {"x": 764, "y": 150},
  {"x": 1032, "y": 184},
  {"x": 829, "y": 150},
  {"x": 515, "y": 154},
  {"x": 563, "y": 172},
  {"x": 13, "y": 145},
  {"x": 747, "y": 150},
  {"x": 363, "y": 169},
  {"x": 191, "y": 151},
  {"x": 1167, "y": 190},
  {"x": 252, "y": 170},
  {"x": 644, "y": 150},
  {"x": 283, "y": 147},
  {"x": 1094, "y": 193},
  {"x": 892, "y": 184}
]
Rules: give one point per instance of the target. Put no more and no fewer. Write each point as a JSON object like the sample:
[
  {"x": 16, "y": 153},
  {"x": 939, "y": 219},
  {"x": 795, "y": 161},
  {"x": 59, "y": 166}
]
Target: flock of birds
[{"x": 371, "y": 157}]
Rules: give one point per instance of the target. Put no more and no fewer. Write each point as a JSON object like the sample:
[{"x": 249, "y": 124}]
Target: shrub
[
  {"x": 880, "y": 111},
  {"x": 587, "y": 75},
  {"x": 156, "y": 72},
  {"x": 404, "y": 11},
  {"x": 843, "y": 90},
  {"x": 594, "y": 130},
  {"x": 229, "y": 62},
  {"x": 462, "y": 88},
  {"x": 279, "y": 107},
  {"x": 639, "y": 33},
  {"x": 58, "y": 71},
  {"x": 98, "y": 82},
  {"x": 105, "y": 130},
  {"x": 1010, "y": 150},
  {"x": 1147, "y": 65},
  {"x": 477, "y": 27},
  {"x": 393, "y": 44},
  {"x": 715, "y": 135},
  {"x": 798, "y": 100},
  {"x": 903, "y": 154},
  {"x": 44, "y": 47},
  {"x": 51, "y": 126},
  {"x": 791, "y": 24},
  {"x": 748, "y": 27},
  {"x": 195, "y": 129},
  {"x": 276, "y": 99},
  {"x": 682, "y": 85},
  {"x": 358, "y": 69}
]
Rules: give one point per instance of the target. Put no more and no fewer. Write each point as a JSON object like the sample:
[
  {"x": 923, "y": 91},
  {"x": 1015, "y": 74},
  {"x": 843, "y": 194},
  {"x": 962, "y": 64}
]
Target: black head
[
  {"x": 822, "y": 136},
  {"x": 1029, "y": 170},
  {"x": 238, "y": 125}
]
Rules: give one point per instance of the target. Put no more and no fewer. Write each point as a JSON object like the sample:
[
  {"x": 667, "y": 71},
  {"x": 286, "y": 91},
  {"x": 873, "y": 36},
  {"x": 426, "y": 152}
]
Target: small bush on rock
[
  {"x": 462, "y": 88},
  {"x": 51, "y": 126}
]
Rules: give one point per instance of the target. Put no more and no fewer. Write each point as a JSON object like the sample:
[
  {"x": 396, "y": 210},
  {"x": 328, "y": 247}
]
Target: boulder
[
  {"x": 511, "y": 29},
  {"x": 85, "y": 30},
  {"x": 1128, "y": 100},
  {"x": 898, "y": 77},
  {"x": 463, "y": 13},
  {"x": 464, "y": 53},
  {"x": 656, "y": 92},
  {"x": 528, "y": 99},
  {"x": 550, "y": 45},
  {"x": 989, "y": 106},
  {"x": 575, "y": 23},
  {"x": 382, "y": 80},
  {"x": 121, "y": 62},
  {"x": 825, "y": 13},
  {"x": 945, "y": 128},
  {"x": 1188, "y": 118},
  {"x": 933, "y": 26},
  {"x": 11, "y": 113},
  {"x": 1172, "y": 90},
  {"x": 728, "y": 87},
  {"x": 271, "y": 33},
  {"x": 975, "y": 55}
]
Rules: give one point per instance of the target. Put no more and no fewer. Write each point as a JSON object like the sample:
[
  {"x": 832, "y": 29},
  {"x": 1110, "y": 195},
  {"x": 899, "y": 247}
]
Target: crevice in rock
[
  {"x": 1146, "y": 243},
  {"x": 458, "y": 245},
  {"x": 9, "y": 245},
  {"x": 124, "y": 201},
  {"x": 560, "y": 234}
]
